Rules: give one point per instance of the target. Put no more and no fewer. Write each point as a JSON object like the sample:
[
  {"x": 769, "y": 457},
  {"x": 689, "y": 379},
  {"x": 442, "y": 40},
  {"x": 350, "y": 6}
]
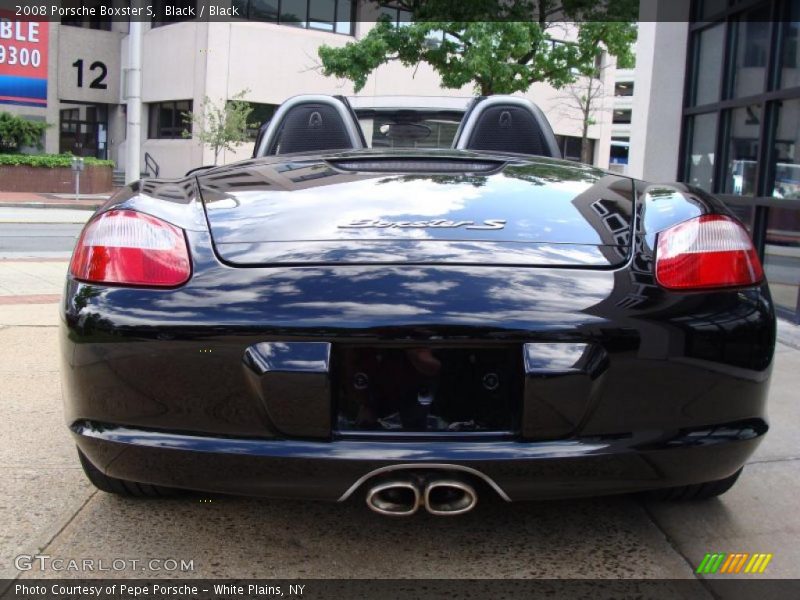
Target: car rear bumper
[{"x": 336, "y": 470}]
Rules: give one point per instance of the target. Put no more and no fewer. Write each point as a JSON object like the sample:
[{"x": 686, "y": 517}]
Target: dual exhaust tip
[{"x": 404, "y": 497}]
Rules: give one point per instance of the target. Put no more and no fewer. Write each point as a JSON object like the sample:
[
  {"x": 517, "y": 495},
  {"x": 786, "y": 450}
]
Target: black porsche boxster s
[{"x": 358, "y": 311}]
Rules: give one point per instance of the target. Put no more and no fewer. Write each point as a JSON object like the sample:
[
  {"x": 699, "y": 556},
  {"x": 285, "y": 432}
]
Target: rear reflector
[
  {"x": 710, "y": 251},
  {"x": 126, "y": 247}
]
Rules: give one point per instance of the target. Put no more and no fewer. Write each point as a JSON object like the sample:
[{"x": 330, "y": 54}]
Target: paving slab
[
  {"x": 35, "y": 504},
  {"x": 43, "y": 485},
  {"x": 33, "y": 431},
  {"x": 29, "y": 315},
  {"x": 28, "y": 350},
  {"x": 759, "y": 514},
  {"x": 240, "y": 537},
  {"x": 19, "y": 278},
  {"x": 783, "y": 409}
]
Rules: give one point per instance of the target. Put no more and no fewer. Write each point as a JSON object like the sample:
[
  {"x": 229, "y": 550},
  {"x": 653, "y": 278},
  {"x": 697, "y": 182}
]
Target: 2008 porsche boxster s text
[{"x": 359, "y": 310}]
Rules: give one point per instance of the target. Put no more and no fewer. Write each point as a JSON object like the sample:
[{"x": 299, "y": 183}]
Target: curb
[{"x": 67, "y": 206}]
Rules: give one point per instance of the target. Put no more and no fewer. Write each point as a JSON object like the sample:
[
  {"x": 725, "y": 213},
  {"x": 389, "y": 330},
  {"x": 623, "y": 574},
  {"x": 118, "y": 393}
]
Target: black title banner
[
  {"x": 390, "y": 589},
  {"x": 294, "y": 13}
]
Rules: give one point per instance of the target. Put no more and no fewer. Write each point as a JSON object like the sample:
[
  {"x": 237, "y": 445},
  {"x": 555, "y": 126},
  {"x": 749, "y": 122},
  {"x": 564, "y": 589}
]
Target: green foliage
[
  {"x": 502, "y": 56},
  {"x": 221, "y": 126},
  {"x": 49, "y": 161},
  {"x": 18, "y": 132}
]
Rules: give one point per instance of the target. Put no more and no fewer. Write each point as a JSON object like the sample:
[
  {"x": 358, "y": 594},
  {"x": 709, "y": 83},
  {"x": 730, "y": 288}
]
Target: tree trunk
[{"x": 586, "y": 148}]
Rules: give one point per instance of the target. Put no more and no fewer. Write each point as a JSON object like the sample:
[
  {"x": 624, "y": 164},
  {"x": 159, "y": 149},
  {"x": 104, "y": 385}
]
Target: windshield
[{"x": 404, "y": 128}]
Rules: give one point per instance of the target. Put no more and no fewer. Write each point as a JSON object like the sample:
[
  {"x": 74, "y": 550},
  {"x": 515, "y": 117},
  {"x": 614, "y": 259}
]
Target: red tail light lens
[
  {"x": 126, "y": 247},
  {"x": 711, "y": 251}
]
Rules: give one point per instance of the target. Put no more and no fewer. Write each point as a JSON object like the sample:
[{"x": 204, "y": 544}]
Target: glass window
[
  {"x": 619, "y": 150},
  {"x": 264, "y": 10},
  {"x": 701, "y": 143},
  {"x": 622, "y": 116},
  {"x": 752, "y": 40},
  {"x": 294, "y": 12},
  {"x": 242, "y": 7},
  {"x": 709, "y": 8},
  {"x": 326, "y": 15},
  {"x": 397, "y": 16},
  {"x": 782, "y": 259},
  {"x": 166, "y": 119},
  {"x": 624, "y": 88},
  {"x": 570, "y": 147},
  {"x": 741, "y": 162},
  {"x": 708, "y": 67},
  {"x": 785, "y": 157},
  {"x": 789, "y": 73},
  {"x": 321, "y": 14},
  {"x": 344, "y": 17}
]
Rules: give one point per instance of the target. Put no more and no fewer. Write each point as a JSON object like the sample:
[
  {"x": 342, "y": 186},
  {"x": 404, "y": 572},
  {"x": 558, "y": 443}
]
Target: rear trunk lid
[{"x": 461, "y": 209}]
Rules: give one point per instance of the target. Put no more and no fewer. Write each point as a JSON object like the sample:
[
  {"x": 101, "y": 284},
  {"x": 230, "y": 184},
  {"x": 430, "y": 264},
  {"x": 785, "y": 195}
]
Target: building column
[
  {"x": 133, "y": 95},
  {"x": 658, "y": 91}
]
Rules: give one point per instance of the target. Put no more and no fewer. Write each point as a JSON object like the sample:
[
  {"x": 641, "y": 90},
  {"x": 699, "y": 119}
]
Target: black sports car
[{"x": 412, "y": 324}]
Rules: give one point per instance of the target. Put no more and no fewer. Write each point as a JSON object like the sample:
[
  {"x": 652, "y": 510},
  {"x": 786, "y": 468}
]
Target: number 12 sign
[{"x": 23, "y": 61}]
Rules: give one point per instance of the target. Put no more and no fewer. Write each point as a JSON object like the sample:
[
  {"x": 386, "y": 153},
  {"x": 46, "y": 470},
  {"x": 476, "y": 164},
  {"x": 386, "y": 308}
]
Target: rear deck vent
[{"x": 402, "y": 165}]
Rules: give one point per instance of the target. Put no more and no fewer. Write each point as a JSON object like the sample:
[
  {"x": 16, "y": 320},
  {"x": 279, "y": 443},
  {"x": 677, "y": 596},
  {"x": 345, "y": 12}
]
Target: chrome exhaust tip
[
  {"x": 448, "y": 497},
  {"x": 396, "y": 498}
]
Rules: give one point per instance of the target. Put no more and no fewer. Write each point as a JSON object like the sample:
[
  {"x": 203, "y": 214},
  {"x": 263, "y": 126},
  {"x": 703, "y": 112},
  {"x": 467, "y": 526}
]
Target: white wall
[{"x": 174, "y": 59}]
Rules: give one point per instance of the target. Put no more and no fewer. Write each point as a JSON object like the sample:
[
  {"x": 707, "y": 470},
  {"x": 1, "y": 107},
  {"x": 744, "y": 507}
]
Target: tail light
[
  {"x": 710, "y": 251},
  {"x": 126, "y": 247}
]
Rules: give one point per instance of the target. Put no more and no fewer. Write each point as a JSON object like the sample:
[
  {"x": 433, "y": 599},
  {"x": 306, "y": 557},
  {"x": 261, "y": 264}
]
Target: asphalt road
[
  {"x": 39, "y": 233},
  {"x": 36, "y": 239}
]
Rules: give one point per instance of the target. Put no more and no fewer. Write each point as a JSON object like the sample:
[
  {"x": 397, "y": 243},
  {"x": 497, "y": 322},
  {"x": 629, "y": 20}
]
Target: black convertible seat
[
  {"x": 506, "y": 124},
  {"x": 311, "y": 124}
]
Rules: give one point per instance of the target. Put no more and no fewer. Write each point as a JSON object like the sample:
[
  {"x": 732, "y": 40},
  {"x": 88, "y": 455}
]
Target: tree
[
  {"x": 584, "y": 96},
  {"x": 498, "y": 46},
  {"x": 17, "y": 132},
  {"x": 221, "y": 126}
]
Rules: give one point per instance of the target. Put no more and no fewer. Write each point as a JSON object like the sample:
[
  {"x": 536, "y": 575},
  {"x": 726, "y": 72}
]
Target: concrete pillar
[
  {"x": 658, "y": 92},
  {"x": 134, "y": 101}
]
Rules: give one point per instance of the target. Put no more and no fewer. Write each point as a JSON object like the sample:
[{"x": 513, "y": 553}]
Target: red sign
[{"x": 23, "y": 61}]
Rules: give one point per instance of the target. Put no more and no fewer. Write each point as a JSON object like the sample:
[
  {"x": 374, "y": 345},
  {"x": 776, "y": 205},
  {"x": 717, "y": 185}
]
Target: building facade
[
  {"x": 723, "y": 114},
  {"x": 270, "y": 56}
]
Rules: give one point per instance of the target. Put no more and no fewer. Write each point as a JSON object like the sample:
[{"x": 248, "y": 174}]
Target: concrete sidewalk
[
  {"x": 34, "y": 281},
  {"x": 45, "y": 200},
  {"x": 48, "y": 507}
]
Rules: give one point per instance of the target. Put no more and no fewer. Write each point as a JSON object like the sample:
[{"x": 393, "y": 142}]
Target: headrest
[
  {"x": 506, "y": 124},
  {"x": 311, "y": 123}
]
